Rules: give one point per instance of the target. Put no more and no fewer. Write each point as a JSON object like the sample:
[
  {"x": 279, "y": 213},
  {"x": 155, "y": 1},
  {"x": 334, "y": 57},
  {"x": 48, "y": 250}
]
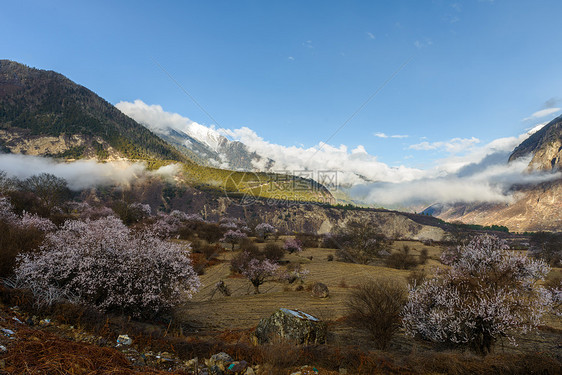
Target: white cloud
[
  {"x": 454, "y": 145},
  {"x": 156, "y": 119},
  {"x": 80, "y": 174},
  {"x": 471, "y": 173},
  {"x": 383, "y": 135},
  {"x": 489, "y": 185},
  {"x": 500, "y": 146},
  {"x": 370, "y": 35},
  {"x": 323, "y": 157},
  {"x": 483, "y": 174},
  {"x": 291, "y": 58},
  {"x": 542, "y": 113}
]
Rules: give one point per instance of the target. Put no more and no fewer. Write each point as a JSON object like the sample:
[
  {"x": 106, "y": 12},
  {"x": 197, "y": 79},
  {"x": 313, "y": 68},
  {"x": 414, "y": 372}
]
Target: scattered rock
[
  {"x": 45, "y": 322},
  {"x": 221, "y": 360},
  {"x": 192, "y": 363},
  {"x": 306, "y": 370},
  {"x": 124, "y": 340},
  {"x": 291, "y": 325},
  {"x": 7, "y": 332},
  {"x": 320, "y": 290},
  {"x": 237, "y": 367}
]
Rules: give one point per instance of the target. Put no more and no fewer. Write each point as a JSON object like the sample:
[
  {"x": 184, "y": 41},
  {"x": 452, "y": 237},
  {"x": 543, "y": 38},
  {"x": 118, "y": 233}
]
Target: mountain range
[
  {"x": 535, "y": 206},
  {"x": 44, "y": 113}
]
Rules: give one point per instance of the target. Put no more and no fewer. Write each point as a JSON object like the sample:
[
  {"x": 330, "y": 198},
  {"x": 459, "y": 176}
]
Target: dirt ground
[{"x": 208, "y": 312}]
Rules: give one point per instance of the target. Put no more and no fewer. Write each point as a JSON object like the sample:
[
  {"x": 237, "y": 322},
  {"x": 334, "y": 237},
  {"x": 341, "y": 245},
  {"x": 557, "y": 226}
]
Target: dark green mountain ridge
[{"x": 49, "y": 104}]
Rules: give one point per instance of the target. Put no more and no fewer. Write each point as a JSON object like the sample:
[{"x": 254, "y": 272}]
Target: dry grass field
[{"x": 242, "y": 311}]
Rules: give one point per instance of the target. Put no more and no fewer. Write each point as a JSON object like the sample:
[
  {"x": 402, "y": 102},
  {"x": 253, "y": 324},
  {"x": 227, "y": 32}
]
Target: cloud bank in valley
[
  {"x": 80, "y": 174},
  {"x": 471, "y": 172},
  {"x": 353, "y": 165},
  {"x": 490, "y": 183}
]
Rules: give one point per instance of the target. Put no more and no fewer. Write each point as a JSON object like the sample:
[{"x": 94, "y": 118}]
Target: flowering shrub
[
  {"x": 131, "y": 213},
  {"x": 263, "y": 230},
  {"x": 33, "y": 220},
  {"x": 103, "y": 263},
  {"x": 191, "y": 217},
  {"x": 257, "y": 271},
  {"x": 233, "y": 237},
  {"x": 229, "y": 225},
  {"x": 142, "y": 210},
  {"x": 292, "y": 245},
  {"x": 85, "y": 211},
  {"x": 6, "y": 211},
  {"x": 26, "y": 220},
  {"x": 488, "y": 292},
  {"x": 166, "y": 225}
]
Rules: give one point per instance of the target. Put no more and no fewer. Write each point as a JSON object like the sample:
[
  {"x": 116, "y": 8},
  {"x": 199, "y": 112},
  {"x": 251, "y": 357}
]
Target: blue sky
[{"x": 294, "y": 71}]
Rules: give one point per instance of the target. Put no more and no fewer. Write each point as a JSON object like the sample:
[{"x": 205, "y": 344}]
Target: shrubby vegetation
[
  {"x": 547, "y": 246},
  {"x": 264, "y": 230},
  {"x": 486, "y": 293},
  {"x": 257, "y": 269},
  {"x": 19, "y": 234},
  {"x": 292, "y": 245},
  {"x": 233, "y": 237},
  {"x": 80, "y": 252},
  {"x": 404, "y": 259},
  {"x": 360, "y": 242},
  {"x": 104, "y": 264},
  {"x": 376, "y": 306},
  {"x": 308, "y": 240}
]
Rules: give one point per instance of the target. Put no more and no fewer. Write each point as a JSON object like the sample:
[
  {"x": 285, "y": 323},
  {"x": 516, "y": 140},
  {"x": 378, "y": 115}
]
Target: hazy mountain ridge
[{"x": 535, "y": 207}]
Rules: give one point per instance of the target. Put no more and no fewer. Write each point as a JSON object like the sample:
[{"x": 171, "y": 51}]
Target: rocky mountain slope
[
  {"x": 535, "y": 207},
  {"x": 545, "y": 145},
  {"x": 210, "y": 148},
  {"x": 43, "y": 112},
  {"x": 207, "y": 145}
]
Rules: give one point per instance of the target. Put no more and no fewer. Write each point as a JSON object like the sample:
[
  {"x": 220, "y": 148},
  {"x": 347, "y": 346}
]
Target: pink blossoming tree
[
  {"x": 264, "y": 229},
  {"x": 487, "y": 293},
  {"x": 257, "y": 270},
  {"x": 233, "y": 237},
  {"x": 292, "y": 245},
  {"x": 104, "y": 264}
]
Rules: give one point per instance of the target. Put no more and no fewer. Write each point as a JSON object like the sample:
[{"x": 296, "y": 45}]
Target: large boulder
[
  {"x": 291, "y": 325},
  {"x": 320, "y": 290}
]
